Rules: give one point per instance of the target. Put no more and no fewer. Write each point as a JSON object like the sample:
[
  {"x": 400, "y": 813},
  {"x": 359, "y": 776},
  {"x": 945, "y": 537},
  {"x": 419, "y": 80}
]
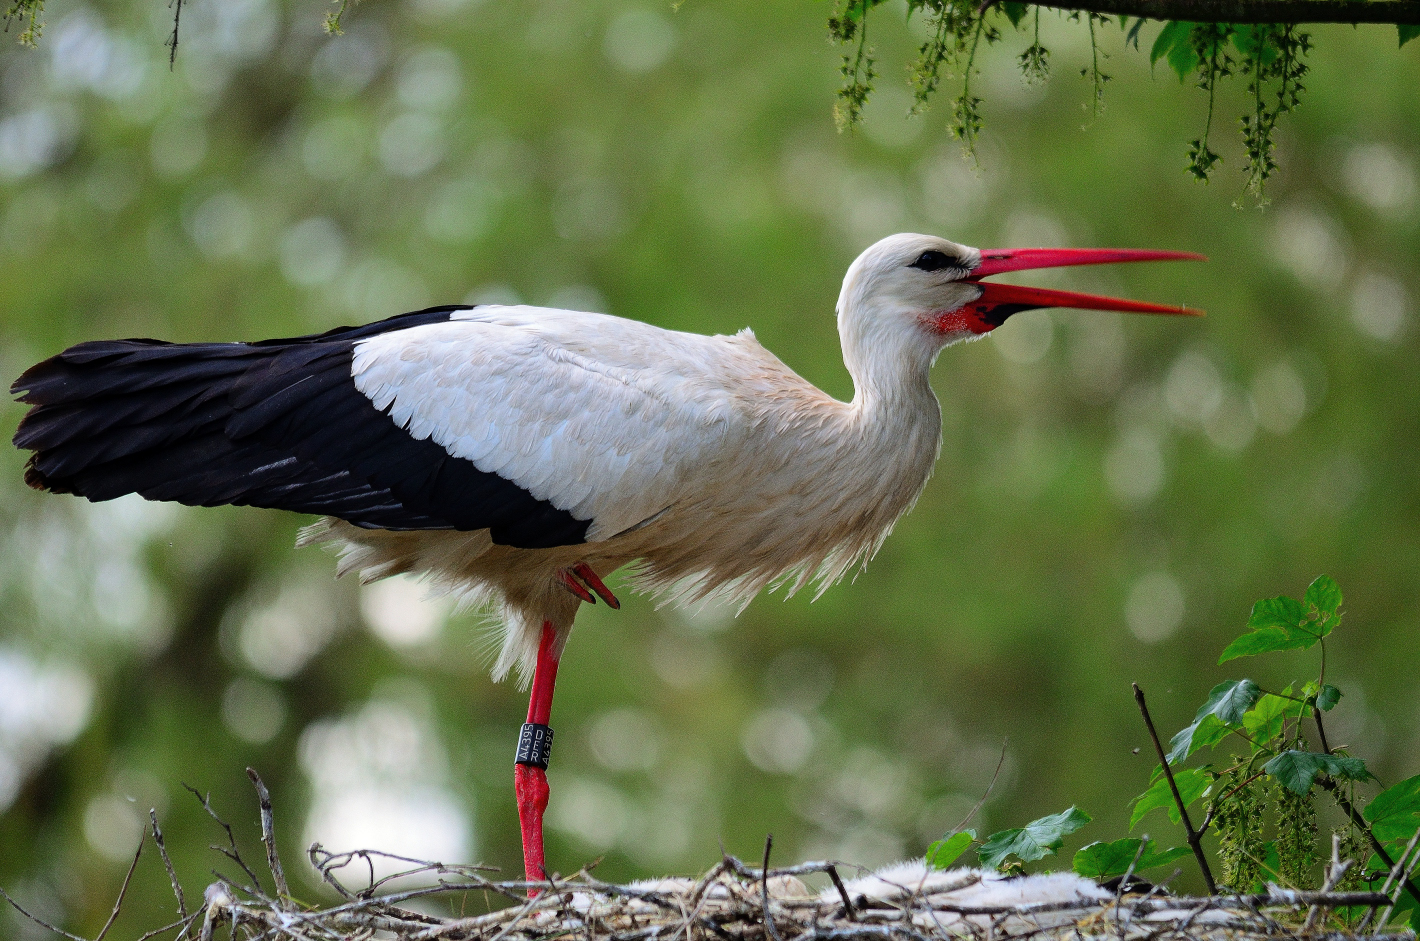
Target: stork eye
[{"x": 933, "y": 260}]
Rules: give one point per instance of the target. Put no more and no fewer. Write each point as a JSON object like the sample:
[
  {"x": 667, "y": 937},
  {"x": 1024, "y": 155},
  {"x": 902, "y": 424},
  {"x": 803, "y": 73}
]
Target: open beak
[{"x": 999, "y": 301}]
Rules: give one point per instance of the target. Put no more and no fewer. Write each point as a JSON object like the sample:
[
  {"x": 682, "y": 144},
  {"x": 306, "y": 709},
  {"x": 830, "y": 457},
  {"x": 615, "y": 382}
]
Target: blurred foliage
[{"x": 1112, "y": 493}]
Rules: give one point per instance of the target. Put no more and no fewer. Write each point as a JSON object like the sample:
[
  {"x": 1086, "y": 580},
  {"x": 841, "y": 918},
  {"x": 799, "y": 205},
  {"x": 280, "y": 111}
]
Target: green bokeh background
[{"x": 1112, "y": 495}]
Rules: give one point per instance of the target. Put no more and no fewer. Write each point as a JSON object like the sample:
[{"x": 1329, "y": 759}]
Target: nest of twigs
[{"x": 730, "y": 902}]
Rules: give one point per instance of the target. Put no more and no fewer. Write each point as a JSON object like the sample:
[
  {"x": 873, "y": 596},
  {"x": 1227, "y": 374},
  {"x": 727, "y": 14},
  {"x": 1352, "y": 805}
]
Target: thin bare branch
[
  {"x": 37, "y": 920},
  {"x": 122, "y": 891},
  {"x": 230, "y": 851},
  {"x": 1195, "y": 839},
  {"x": 268, "y": 836},
  {"x": 168, "y": 864}
]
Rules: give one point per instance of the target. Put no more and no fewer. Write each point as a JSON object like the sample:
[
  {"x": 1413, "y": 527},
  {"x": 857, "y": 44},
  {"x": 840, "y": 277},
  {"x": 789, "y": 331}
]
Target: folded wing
[{"x": 430, "y": 420}]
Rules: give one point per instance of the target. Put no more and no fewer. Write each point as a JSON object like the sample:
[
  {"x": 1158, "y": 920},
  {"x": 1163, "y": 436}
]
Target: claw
[
  {"x": 575, "y": 587},
  {"x": 585, "y": 573}
]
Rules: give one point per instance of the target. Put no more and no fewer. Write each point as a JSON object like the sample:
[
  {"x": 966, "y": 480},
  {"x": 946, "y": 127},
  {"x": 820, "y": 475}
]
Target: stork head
[{"x": 911, "y": 295}]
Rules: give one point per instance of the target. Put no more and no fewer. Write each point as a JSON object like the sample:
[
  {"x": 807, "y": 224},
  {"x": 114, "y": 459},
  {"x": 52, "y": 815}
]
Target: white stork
[{"x": 512, "y": 453}]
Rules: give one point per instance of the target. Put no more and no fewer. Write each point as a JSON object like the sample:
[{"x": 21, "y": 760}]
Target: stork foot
[
  {"x": 589, "y": 578},
  {"x": 582, "y": 581},
  {"x": 569, "y": 582}
]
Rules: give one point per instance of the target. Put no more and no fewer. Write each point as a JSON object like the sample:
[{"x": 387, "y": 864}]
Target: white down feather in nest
[
  {"x": 939, "y": 889},
  {"x": 934, "y": 890}
]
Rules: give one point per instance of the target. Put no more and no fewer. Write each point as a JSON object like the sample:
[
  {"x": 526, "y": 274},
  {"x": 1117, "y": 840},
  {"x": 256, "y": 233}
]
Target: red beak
[{"x": 999, "y": 301}]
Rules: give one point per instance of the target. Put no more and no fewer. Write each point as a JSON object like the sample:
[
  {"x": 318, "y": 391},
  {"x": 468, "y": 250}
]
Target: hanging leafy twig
[
  {"x": 1035, "y": 61},
  {"x": 1097, "y": 77},
  {"x": 857, "y": 67},
  {"x": 927, "y": 70},
  {"x": 1214, "y": 63},
  {"x": 172, "y": 41},
  {"x": 966, "y": 110},
  {"x": 30, "y": 12},
  {"x": 334, "y": 19}
]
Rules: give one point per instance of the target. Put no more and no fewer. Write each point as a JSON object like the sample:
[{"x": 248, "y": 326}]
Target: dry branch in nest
[{"x": 731, "y": 902}]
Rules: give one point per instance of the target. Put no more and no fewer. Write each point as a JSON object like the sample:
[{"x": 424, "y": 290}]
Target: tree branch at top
[{"x": 1397, "y": 12}]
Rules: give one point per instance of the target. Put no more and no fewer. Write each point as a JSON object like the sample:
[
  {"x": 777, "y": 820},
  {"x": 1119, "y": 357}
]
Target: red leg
[{"x": 534, "y": 746}]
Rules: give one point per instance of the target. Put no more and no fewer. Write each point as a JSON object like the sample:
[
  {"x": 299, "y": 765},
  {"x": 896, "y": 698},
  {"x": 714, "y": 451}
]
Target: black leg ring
[{"x": 534, "y": 745}]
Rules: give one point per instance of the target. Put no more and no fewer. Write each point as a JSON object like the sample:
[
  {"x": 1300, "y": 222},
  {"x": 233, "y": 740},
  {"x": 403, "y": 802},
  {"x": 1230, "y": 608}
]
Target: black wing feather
[{"x": 277, "y": 423}]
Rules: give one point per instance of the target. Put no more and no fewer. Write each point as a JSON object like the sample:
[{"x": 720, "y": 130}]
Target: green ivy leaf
[
  {"x": 1192, "y": 784},
  {"x": 1395, "y": 813},
  {"x": 1281, "y": 611},
  {"x": 1171, "y": 35},
  {"x": 1100, "y": 861},
  {"x": 944, "y": 852},
  {"x": 1036, "y": 840},
  {"x": 1275, "y": 612},
  {"x": 1408, "y": 33},
  {"x": 1263, "y": 641},
  {"x": 1327, "y": 698},
  {"x": 858, "y": 9},
  {"x": 1263, "y": 722},
  {"x": 1297, "y": 770},
  {"x": 1227, "y": 703},
  {"x": 1283, "y": 624},
  {"x": 1255, "y": 41},
  {"x": 1324, "y": 594},
  {"x": 1015, "y": 12},
  {"x": 1183, "y": 57},
  {"x": 1131, "y": 38}
]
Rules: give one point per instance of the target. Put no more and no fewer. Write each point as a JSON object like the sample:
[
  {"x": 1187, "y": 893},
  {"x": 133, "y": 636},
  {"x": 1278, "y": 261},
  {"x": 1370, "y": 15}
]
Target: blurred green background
[{"x": 1113, "y": 492}]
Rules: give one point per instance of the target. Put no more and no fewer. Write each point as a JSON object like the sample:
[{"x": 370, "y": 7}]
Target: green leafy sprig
[
  {"x": 1261, "y": 803},
  {"x": 31, "y": 14}
]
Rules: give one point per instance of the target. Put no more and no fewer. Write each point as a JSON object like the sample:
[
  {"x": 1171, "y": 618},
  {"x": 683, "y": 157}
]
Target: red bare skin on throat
[{"x": 962, "y": 319}]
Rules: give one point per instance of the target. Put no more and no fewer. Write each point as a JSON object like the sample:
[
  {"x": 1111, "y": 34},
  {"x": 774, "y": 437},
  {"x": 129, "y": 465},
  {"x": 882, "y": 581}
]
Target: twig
[
  {"x": 987, "y": 793},
  {"x": 1320, "y": 730},
  {"x": 39, "y": 921},
  {"x": 168, "y": 863},
  {"x": 268, "y": 837},
  {"x": 122, "y": 891},
  {"x": 172, "y": 42},
  {"x": 182, "y": 923},
  {"x": 843, "y": 892},
  {"x": 1128, "y": 874},
  {"x": 324, "y": 868},
  {"x": 232, "y": 853},
  {"x": 1334, "y": 872},
  {"x": 764, "y": 889},
  {"x": 1194, "y": 839}
]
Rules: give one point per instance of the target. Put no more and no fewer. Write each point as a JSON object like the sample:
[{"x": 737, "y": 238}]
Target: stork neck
[{"x": 890, "y": 378}]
